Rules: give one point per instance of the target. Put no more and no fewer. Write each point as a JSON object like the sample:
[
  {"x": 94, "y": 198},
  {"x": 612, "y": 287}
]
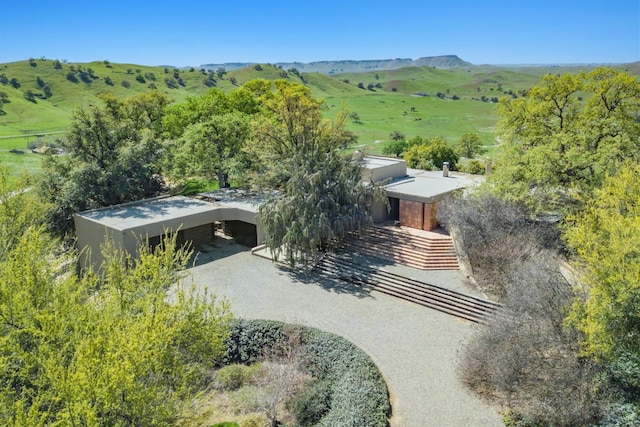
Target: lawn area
[
  {"x": 382, "y": 113},
  {"x": 20, "y": 166}
]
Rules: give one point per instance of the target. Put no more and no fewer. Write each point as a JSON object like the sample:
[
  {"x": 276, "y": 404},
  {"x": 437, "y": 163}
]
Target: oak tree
[
  {"x": 430, "y": 154},
  {"x": 396, "y": 148},
  {"x": 469, "y": 145},
  {"x": 206, "y": 133},
  {"x": 564, "y": 137},
  {"x": 606, "y": 238},
  {"x": 206, "y": 149},
  {"x": 114, "y": 155}
]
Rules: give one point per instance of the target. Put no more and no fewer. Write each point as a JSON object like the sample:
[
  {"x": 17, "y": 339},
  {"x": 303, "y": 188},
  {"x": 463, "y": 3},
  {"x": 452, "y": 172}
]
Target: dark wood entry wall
[{"x": 418, "y": 215}]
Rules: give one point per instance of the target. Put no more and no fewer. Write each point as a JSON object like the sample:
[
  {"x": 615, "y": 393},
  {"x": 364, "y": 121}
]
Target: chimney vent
[{"x": 445, "y": 169}]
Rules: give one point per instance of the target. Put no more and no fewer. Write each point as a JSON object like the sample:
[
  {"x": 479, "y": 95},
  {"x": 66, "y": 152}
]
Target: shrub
[
  {"x": 496, "y": 236},
  {"x": 528, "y": 359},
  {"x": 234, "y": 376},
  {"x": 254, "y": 420},
  {"x": 356, "y": 390},
  {"x": 475, "y": 167},
  {"x": 313, "y": 403},
  {"x": 248, "y": 340},
  {"x": 245, "y": 400}
]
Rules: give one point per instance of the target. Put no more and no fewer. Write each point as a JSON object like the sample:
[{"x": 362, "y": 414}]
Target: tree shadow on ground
[{"x": 343, "y": 272}]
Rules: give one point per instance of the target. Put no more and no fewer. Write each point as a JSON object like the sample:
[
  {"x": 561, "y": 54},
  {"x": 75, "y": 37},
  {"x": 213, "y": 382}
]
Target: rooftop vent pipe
[{"x": 445, "y": 169}]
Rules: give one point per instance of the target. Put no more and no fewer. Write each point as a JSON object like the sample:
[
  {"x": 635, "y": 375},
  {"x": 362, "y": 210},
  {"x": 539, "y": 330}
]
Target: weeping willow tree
[{"x": 321, "y": 202}]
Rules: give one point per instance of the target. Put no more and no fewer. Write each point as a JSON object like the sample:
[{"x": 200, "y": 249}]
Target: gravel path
[{"x": 415, "y": 348}]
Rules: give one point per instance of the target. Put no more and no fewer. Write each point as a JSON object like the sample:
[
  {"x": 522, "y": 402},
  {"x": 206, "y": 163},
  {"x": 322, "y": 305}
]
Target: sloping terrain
[
  {"x": 444, "y": 96},
  {"x": 356, "y": 66}
]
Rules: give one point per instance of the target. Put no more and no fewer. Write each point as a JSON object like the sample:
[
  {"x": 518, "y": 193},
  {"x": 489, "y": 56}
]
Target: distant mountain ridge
[{"x": 356, "y": 66}]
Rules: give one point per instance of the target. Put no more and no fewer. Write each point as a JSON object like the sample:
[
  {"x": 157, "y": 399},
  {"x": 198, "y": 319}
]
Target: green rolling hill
[
  {"x": 38, "y": 96},
  {"x": 351, "y": 66}
]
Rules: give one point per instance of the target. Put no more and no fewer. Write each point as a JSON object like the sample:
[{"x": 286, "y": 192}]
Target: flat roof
[
  {"x": 235, "y": 197},
  {"x": 429, "y": 186},
  {"x": 149, "y": 211},
  {"x": 373, "y": 162}
]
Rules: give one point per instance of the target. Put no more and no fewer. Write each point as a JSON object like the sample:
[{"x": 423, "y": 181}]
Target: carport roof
[{"x": 146, "y": 212}]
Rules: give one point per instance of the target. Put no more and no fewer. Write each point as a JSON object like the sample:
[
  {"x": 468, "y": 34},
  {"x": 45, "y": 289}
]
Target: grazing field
[
  {"x": 383, "y": 113},
  {"x": 38, "y": 97}
]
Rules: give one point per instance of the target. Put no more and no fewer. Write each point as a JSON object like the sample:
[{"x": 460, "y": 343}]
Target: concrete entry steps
[
  {"x": 420, "y": 249},
  {"x": 347, "y": 268}
]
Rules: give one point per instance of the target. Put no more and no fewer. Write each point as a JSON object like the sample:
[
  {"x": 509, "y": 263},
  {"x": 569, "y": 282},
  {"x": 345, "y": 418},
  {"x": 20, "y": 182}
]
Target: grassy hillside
[
  {"x": 355, "y": 66},
  {"x": 425, "y": 101},
  {"x": 41, "y": 94}
]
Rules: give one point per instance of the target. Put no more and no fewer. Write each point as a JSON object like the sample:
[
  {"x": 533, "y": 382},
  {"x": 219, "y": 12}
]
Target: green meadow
[{"x": 40, "y": 95}]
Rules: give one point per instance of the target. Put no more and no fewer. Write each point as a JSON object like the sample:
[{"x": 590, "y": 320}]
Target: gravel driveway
[{"x": 415, "y": 348}]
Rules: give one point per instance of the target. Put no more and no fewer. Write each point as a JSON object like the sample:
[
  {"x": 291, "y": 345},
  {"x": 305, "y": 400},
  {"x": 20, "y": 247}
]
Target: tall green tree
[
  {"x": 395, "y": 148},
  {"x": 469, "y": 145},
  {"x": 206, "y": 133},
  {"x": 396, "y": 135},
  {"x": 605, "y": 235},
  {"x": 114, "y": 156},
  {"x": 430, "y": 154},
  {"x": 290, "y": 121},
  {"x": 206, "y": 149},
  {"x": 565, "y": 136},
  {"x": 322, "y": 201}
]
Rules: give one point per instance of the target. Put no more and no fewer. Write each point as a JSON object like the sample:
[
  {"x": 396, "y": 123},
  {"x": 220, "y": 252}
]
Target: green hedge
[{"x": 349, "y": 389}]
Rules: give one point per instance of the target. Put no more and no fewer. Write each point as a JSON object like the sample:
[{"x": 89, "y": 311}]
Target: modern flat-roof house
[
  {"x": 413, "y": 197},
  {"x": 413, "y": 194},
  {"x": 193, "y": 218}
]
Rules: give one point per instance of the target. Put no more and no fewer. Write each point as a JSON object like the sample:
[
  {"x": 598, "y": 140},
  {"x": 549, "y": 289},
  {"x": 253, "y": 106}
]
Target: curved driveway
[{"x": 415, "y": 348}]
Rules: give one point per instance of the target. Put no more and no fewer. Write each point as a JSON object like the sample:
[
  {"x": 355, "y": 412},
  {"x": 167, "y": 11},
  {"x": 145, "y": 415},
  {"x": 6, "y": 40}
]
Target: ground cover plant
[{"x": 342, "y": 386}]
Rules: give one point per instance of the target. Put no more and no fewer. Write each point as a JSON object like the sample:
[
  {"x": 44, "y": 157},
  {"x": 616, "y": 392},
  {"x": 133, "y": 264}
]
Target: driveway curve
[{"x": 415, "y": 348}]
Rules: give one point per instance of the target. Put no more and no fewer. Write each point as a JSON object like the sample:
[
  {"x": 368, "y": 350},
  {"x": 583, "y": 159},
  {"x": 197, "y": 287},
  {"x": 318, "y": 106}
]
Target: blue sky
[{"x": 187, "y": 32}]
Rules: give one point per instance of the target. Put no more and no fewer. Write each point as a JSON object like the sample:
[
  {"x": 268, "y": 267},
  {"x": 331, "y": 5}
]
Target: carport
[{"x": 194, "y": 219}]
